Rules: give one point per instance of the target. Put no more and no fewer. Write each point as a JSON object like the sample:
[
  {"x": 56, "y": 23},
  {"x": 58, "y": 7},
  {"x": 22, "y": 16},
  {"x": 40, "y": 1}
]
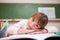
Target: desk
[{"x": 34, "y": 36}]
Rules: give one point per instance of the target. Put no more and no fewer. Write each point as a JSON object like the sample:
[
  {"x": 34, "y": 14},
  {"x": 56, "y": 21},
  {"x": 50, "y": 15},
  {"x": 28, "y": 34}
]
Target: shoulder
[{"x": 20, "y": 23}]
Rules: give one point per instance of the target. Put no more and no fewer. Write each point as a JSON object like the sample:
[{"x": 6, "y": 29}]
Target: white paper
[{"x": 49, "y": 11}]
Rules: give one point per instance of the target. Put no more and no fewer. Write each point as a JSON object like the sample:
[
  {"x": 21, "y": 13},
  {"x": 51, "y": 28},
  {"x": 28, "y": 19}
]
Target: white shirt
[{"x": 14, "y": 28}]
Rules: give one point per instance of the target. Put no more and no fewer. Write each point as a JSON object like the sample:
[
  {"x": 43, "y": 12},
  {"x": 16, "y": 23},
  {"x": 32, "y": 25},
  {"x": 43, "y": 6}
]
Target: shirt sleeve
[{"x": 15, "y": 27}]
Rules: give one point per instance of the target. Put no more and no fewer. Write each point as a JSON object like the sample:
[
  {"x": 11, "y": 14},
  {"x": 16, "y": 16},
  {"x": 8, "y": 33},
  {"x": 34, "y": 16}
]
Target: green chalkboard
[{"x": 15, "y": 11}]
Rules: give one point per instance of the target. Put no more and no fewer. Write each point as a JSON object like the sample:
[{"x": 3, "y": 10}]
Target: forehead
[{"x": 34, "y": 20}]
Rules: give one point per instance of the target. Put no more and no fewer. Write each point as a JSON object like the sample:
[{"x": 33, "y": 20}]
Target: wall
[
  {"x": 18, "y": 10},
  {"x": 30, "y": 1}
]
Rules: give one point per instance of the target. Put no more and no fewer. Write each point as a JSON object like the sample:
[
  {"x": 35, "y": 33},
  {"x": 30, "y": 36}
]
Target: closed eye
[{"x": 37, "y": 25}]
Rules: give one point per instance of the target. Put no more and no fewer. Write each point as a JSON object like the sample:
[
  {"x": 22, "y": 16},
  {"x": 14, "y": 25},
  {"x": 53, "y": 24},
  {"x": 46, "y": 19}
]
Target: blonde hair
[{"x": 41, "y": 19}]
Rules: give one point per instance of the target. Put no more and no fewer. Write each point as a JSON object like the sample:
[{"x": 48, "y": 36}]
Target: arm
[
  {"x": 24, "y": 31},
  {"x": 40, "y": 32}
]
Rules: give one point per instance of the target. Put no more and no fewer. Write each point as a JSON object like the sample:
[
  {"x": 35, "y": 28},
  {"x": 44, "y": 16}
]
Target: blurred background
[{"x": 16, "y": 10}]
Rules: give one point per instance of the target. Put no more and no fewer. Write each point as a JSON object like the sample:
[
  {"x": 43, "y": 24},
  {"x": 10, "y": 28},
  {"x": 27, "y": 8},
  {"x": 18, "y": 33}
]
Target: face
[{"x": 32, "y": 24}]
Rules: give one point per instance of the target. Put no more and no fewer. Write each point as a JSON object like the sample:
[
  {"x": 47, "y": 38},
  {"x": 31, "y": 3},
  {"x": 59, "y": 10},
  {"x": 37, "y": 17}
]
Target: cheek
[{"x": 32, "y": 24}]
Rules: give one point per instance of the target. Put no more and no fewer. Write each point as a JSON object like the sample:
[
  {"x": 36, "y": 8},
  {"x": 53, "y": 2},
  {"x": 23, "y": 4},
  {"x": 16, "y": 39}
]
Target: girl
[{"x": 35, "y": 24}]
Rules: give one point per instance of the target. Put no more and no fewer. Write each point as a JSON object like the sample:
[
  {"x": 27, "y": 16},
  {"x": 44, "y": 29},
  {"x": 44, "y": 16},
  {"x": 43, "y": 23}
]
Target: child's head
[{"x": 38, "y": 21}]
